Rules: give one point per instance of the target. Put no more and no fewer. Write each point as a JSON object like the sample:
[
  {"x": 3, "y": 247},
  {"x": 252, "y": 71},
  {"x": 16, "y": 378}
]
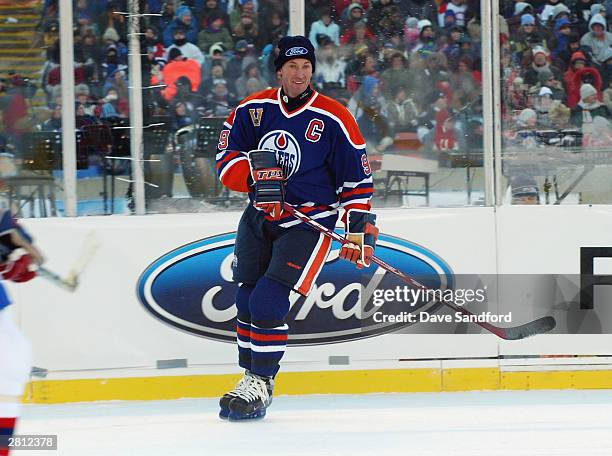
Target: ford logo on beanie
[{"x": 294, "y": 47}]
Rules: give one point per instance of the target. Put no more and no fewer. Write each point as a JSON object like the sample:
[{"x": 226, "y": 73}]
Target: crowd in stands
[
  {"x": 409, "y": 66},
  {"x": 556, "y": 71}
]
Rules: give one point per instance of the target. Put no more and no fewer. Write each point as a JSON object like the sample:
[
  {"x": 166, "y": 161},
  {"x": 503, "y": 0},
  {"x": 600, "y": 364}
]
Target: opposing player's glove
[
  {"x": 18, "y": 270},
  {"x": 268, "y": 182},
  {"x": 361, "y": 232}
]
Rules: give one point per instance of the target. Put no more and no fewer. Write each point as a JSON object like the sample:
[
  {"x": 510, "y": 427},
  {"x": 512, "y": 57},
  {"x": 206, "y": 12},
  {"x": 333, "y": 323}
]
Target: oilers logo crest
[{"x": 287, "y": 150}]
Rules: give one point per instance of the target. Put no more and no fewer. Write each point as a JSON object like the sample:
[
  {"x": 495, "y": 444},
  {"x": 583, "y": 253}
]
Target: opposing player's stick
[
  {"x": 71, "y": 281},
  {"x": 539, "y": 326}
]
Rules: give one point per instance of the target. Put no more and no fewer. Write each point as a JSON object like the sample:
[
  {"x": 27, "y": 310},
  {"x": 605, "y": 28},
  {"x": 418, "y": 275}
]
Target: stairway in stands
[{"x": 22, "y": 51}]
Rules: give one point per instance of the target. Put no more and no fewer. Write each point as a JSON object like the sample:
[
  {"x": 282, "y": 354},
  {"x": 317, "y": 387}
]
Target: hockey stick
[
  {"x": 71, "y": 281},
  {"x": 67, "y": 283},
  {"x": 539, "y": 326}
]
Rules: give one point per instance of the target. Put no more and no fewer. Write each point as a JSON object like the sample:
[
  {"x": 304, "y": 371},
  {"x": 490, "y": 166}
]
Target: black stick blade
[{"x": 533, "y": 328}]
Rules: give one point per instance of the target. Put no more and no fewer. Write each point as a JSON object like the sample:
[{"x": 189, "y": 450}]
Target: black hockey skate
[
  {"x": 227, "y": 397},
  {"x": 253, "y": 399}
]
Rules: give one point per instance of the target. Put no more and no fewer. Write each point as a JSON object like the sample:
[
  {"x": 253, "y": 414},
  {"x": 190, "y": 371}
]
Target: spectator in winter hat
[
  {"x": 215, "y": 32},
  {"x": 455, "y": 8},
  {"x": 588, "y": 108},
  {"x": 183, "y": 19},
  {"x": 521, "y": 8},
  {"x": 547, "y": 10},
  {"x": 449, "y": 19},
  {"x": 547, "y": 79},
  {"x": 246, "y": 29},
  {"x": 352, "y": 15},
  {"x": 598, "y": 39},
  {"x": 524, "y": 190},
  {"x": 577, "y": 62},
  {"x": 524, "y": 133},
  {"x": 539, "y": 63},
  {"x": 245, "y": 8},
  {"x": 411, "y": 32},
  {"x": 560, "y": 38},
  {"x": 527, "y": 118},
  {"x": 526, "y": 34},
  {"x": 559, "y": 11},
  {"x": 514, "y": 22},
  {"x": 427, "y": 43},
  {"x": 189, "y": 50},
  {"x": 587, "y": 75},
  {"x": 221, "y": 100}
]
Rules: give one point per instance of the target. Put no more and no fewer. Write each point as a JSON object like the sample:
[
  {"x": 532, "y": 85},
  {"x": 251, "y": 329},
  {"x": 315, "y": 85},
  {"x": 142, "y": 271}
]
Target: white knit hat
[
  {"x": 527, "y": 114},
  {"x": 422, "y": 24},
  {"x": 586, "y": 90}
]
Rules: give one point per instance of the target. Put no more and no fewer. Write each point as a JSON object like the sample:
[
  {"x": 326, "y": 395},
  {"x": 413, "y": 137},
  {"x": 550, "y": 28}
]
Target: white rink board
[
  {"x": 547, "y": 240},
  {"x": 104, "y": 326}
]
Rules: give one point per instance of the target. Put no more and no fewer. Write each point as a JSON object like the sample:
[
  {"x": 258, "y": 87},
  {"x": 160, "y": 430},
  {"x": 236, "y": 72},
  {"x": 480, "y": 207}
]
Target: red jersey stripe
[
  {"x": 236, "y": 176},
  {"x": 268, "y": 337},
  {"x": 356, "y": 191},
  {"x": 230, "y": 155},
  {"x": 346, "y": 118}
]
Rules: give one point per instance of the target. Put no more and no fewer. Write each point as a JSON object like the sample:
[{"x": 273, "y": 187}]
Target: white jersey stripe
[
  {"x": 314, "y": 217},
  {"x": 356, "y": 201},
  {"x": 285, "y": 327},
  {"x": 267, "y": 348},
  {"x": 243, "y": 344},
  {"x": 367, "y": 180}
]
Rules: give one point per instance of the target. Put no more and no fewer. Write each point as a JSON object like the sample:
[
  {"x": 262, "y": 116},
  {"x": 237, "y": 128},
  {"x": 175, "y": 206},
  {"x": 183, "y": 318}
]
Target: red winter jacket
[
  {"x": 174, "y": 70},
  {"x": 573, "y": 90}
]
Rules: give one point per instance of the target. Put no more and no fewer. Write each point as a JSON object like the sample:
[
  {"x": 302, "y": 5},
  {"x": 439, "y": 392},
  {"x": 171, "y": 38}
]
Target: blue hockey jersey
[{"x": 319, "y": 147}]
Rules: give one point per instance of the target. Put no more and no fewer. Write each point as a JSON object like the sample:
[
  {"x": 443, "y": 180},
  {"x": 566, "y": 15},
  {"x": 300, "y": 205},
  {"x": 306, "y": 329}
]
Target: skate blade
[{"x": 233, "y": 416}]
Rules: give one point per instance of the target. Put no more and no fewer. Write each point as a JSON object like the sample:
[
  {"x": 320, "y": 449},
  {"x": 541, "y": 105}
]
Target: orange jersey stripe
[
  {"x": 315, "y": 267},
  {"x": 336, "y": 109},
  {"x": 236, "y": 177}
]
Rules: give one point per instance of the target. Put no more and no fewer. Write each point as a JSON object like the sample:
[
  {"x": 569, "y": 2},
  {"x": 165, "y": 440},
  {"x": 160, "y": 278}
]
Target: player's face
[{"x": 295, "y": 76}]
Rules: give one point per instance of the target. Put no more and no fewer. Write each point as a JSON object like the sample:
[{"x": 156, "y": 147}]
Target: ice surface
[{"x": 521, "y": 423}]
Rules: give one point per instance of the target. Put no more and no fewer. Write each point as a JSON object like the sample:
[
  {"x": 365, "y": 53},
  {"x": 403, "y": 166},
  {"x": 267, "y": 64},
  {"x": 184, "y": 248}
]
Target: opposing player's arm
[
  {"x": 232, "y": 159},
  {"x": 17, "y": 250}
]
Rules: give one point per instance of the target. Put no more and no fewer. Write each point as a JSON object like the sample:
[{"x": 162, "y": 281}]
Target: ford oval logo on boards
[{"x": 190, "y": 288}]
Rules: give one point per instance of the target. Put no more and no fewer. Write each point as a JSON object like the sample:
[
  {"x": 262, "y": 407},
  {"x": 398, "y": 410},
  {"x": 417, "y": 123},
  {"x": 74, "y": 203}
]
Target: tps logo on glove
[{"x": 269, "y": 174}]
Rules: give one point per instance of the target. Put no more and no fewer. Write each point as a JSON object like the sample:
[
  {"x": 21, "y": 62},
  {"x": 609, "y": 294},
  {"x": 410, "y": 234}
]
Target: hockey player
[
  {"x": 16, "y": 257},
  {"x": 292, "y": 145}
]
